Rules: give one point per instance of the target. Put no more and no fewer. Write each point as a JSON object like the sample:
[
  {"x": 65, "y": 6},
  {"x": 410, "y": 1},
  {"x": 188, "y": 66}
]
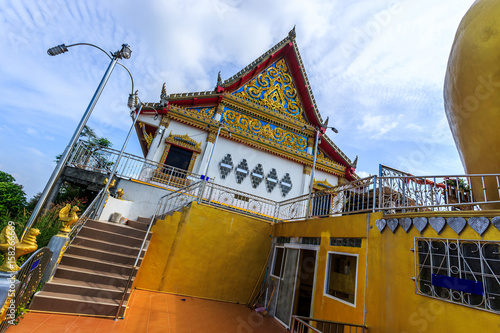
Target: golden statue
[
  {"x": 119, "y": 193},
  {"x": 9, "y": 240},
  {"x": 68, "y": 217},
  {"x": 113, "y": 183}
]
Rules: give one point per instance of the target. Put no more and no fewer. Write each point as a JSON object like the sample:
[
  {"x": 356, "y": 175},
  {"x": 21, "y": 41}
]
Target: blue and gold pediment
[
  {"x": 263, "y": 129},
  {"x": 274, "y": 88}
]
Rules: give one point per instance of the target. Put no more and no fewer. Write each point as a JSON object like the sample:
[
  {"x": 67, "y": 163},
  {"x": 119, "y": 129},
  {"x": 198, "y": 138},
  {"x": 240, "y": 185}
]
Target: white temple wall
[
  {"x": 238, "y": 152},
  {"x": 320, "y": 176},
  {"x": 182, "y": 129}
]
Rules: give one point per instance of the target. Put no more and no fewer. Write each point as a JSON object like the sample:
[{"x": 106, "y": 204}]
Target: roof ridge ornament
[
  {"x": 291, "y": 33},
  {"x": 219, "y": 79},
  {"x": 355, "y": 163},
  {"x": 163, "y": 95}
]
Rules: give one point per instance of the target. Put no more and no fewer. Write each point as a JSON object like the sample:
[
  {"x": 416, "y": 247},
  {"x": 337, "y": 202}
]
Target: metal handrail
[
  {"x": 89, "y": 213},
  {"x": 26, "y": 281},
  {"x": 100, "y": 159},
  {"x": 300, "y": 326},
  {"x": 136, "y": 265},
  {"x": 299, "y": 323}
]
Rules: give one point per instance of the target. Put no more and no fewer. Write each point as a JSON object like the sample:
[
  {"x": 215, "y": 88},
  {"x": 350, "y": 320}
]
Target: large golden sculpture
[
  {"x": 472, "y": 95},
  {"x": 68, "y": 217},
  {"x": 13, "y": 249}
]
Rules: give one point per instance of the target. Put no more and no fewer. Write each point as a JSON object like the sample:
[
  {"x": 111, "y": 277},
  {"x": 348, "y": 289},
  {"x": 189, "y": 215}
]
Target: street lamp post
[
  {"x": 123, "y": 53},
  {"x": 319, "y": 130}
]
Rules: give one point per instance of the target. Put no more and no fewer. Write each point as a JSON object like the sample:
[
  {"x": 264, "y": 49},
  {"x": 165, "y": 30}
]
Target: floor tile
[
  {"x": 51, "y": 328},
  {"x": 152, "y": 312}
]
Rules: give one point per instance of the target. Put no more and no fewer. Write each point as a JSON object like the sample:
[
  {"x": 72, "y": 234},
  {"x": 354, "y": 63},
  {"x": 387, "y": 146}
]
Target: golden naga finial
[
  {"x": 219, "y": 79},
  {"x": 68, "y": 217},
  {"x": 163, "y": 94},
  {"x": 113, "y": 183},
  {"x": 291, "y": 33},
  {"x": 13, "y": 249},
  {"x": 119, "y": 193}
]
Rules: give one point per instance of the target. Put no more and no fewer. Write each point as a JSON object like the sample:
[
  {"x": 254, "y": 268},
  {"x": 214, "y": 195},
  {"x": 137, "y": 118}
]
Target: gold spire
[{"x": 163, "y": 94}]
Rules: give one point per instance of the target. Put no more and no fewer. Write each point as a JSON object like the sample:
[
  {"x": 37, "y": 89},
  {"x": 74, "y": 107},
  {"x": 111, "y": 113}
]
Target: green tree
[
  {"x": 94, "y": 141},
  {"x": 12, "y": 196}
]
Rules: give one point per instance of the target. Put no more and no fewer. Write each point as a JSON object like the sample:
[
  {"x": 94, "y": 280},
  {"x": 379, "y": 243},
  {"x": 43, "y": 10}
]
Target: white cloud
[{"x": 376, "y": 126}]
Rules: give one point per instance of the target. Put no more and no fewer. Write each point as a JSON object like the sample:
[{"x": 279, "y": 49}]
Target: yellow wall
[
  {"x": 206, "y": 252},
  {"x": 350, "y": 226},
  {"x": 393, "y": 305},
  {"x": 391, "y": 302}
]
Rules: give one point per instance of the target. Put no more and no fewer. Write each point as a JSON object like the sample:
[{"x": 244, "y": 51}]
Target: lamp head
[
  {"x": 132, "y": 100},
  {"x": 125, "y": 52},
  {"x": 53, "y": 51},
  {"x": 334, "y": 129}
]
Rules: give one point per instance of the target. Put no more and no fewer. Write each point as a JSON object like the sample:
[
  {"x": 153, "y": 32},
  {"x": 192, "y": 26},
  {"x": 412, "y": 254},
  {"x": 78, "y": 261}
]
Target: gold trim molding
[
  {"x": 184, "y": 141},
  {"x": 321, "y": 185}
]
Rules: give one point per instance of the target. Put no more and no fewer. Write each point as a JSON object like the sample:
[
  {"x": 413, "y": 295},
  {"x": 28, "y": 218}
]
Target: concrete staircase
[{"x": 93, "y": 272}]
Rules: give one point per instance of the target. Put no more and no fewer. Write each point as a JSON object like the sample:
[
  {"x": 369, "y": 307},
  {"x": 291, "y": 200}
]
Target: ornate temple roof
[{"x": 286, "y": 49}]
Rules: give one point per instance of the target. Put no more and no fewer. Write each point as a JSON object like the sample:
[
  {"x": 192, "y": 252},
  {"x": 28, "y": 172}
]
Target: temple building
[
  {"x": 255, "y": 132},
  {"x": 241, "y": 197}
]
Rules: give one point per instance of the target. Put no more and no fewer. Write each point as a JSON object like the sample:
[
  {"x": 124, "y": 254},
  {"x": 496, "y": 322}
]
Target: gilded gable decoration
[
  {"x": 274, "y": 88},
  {"x": 321, "y": 185},
  {"x": 147, "y": 137},
  {"x": 263, "y": 129},
  {"x": 184, "y": 141},
  {"x": 165, "y": 121},
  {"x": 205, "y": 111}
]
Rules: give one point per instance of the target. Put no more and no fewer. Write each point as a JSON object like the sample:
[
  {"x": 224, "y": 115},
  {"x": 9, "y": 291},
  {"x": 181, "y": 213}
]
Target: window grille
[
  {"x": 285, "y": 184},
  {"x": 283, "y": 240},
  {"x": 257, "y": 175},
  {"x": 225, "y": 166},
  {"x": 241, "y": 171},
  {"x": 465, "y": 272},
  {"x": 349, "y": 242},
  {"x": 310, "y": 240},
  {"x": 271, "y": 180}
]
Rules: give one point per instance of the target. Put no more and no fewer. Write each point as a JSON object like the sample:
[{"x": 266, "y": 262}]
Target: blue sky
[{"x": 376, "y": 68}]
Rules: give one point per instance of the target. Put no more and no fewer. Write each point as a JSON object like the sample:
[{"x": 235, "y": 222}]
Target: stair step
[
  {"x": 73, "y": 260},
  {"x": 116, "y": 228},
  {"x": 138, "y": 225},
  {"x": 111, "y": 237},
  {"x": 144, "y": 219},
  {"x": 85, "y": 288},
  {"x": 92, "y": 253},
  {"x": 64, "y": 303},
  {"x": 82, "y": 274},
  {"x": 105, "y": 246}
]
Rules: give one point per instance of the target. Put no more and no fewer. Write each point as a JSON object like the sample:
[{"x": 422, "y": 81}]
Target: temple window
[
  {"x": 464, "y": 272},
  {"x": 178, "y": 158},
  {"x": 341, "y": 277}
]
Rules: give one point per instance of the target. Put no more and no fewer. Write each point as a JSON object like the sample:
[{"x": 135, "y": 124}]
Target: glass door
[{"x": 286, "y": 292}]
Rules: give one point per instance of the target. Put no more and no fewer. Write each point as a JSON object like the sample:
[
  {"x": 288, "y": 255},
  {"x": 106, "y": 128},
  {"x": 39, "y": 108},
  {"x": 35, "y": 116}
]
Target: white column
[
  {"x": 206, "y": 155},
  {"x": 306, "y": 181},
  {"x": 154, "y": 153}
]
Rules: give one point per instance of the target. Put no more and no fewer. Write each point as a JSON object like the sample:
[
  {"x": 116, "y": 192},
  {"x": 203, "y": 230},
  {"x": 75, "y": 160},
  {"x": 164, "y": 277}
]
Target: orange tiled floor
[{"x": 157, "y": 312}]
